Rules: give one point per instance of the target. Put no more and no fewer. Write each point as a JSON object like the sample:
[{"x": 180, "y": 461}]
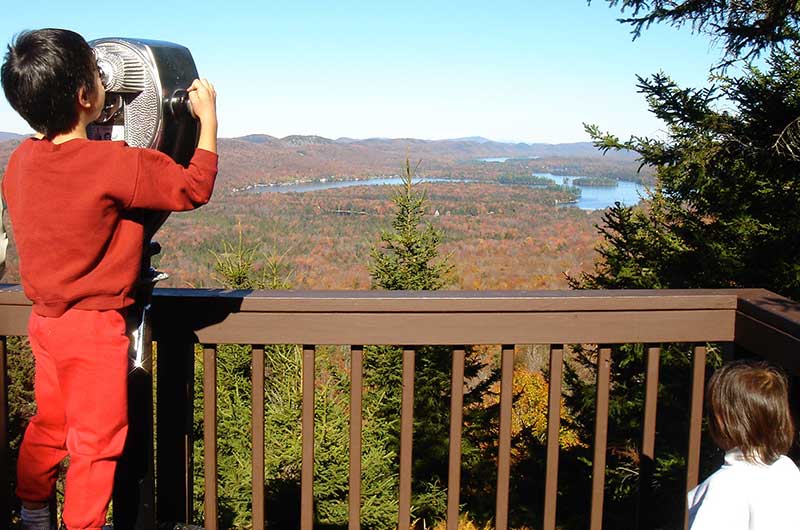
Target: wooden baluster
[
  {"x": 210, "y": 436},
  {"x": 647, "y": 457},
  {"x": 257, "y": 424},
  {"x": 307, "y": 473},
  {"x": 356, "y": 382},
  {"x": 175, "y": 417},
  {"x": 600, "y": 436},
  {"x": 553, "y": 430},
  {"x": 695, "y": 421},
  {"x": 504, "y": 442},
  {"x": 406, "y": 439},
  {"x": 456, "y": 420}
]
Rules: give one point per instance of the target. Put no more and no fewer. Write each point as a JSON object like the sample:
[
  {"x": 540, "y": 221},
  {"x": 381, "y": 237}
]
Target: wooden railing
[{"x": 754, "y": 320}]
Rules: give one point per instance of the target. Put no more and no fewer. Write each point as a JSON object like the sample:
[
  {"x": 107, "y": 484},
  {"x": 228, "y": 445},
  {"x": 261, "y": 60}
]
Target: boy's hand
[
  {"x": 204, "y": 100},
  {"x": 204, "y": 103}
]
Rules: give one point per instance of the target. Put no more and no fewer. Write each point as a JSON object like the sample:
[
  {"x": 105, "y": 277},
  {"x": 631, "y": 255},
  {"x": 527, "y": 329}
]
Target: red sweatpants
[{"x": 81, "y": 397}]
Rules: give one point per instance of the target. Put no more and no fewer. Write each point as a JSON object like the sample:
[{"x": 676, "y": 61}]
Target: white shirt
[{"x": 746, "y": 496}]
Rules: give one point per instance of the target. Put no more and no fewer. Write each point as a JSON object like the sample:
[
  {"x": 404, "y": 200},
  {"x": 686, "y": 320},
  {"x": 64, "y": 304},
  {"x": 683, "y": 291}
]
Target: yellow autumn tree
[{"x": 529, "y": 410}]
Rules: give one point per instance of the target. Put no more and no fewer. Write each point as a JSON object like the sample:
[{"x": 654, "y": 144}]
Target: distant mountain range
[
  {"x": 5, "y": 136},
  {"x": 261, "y": 158},
  {"x": 478, "y": 144}
]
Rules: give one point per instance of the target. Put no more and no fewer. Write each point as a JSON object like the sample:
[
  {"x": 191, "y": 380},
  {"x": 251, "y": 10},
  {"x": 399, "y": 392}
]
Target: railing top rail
[
  {"x": 465, "y": 301},
  {"x": 447, "y": 317},
  {"x": 769, "y": 325},
  {"x": 12, "y": 294},
  {"x": 471, "y": 317},
  {"x": 772, "y": 309}
]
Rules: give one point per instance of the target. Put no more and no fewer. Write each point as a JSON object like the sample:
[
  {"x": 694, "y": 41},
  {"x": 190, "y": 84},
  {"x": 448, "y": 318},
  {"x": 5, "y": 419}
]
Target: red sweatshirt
[{"x": 73, "y": 212}]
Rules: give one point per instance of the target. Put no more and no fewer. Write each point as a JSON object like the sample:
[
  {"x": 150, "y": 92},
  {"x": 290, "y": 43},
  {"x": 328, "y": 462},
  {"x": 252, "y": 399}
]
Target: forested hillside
[
  {"x": 500, "y": 236},
  {"x": 265, "y": 159}
]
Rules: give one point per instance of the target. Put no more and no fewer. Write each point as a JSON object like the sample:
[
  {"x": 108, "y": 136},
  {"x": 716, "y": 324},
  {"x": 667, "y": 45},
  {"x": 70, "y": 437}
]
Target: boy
[
  {"x": 749, "y": 418},
  {"x": 75, "y": 206}
]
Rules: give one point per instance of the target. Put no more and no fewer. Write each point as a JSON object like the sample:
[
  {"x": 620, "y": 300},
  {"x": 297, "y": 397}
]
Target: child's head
[
  {"x": 42, "y": 75},
  {"x": 748, "y": 408}
]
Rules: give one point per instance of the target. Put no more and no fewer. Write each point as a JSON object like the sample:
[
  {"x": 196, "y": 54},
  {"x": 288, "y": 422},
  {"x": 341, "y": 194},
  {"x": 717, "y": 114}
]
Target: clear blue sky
[{"x": 529, "y": 70}]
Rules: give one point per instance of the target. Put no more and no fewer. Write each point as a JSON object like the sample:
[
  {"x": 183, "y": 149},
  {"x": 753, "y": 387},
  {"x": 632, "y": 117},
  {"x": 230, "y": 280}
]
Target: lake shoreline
[{"x": 592, "y": 197}]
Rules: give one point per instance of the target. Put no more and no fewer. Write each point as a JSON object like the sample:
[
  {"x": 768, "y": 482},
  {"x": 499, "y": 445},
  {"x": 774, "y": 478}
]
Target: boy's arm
[{"x": 161, "y": 184}]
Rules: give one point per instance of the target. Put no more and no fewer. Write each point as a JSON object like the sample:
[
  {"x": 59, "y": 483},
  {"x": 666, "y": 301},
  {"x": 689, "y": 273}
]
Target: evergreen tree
[
  {"x": 236, "y": 268},
  {"x": 723, "y": 213},
  {"x": 724, "y": 209},
  {"x": 747, "y": 28},
  {"x": 408, "y": 258},
  {"x": 243, "y": 266},
  {"x": 21, "y": 406}
]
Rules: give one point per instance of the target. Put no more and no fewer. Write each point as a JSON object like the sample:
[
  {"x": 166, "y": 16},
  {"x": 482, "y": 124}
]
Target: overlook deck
[{"x": 752, "y": 320}]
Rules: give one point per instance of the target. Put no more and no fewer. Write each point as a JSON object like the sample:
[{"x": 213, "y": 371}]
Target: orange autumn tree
[{"x": 530, "y": 389}]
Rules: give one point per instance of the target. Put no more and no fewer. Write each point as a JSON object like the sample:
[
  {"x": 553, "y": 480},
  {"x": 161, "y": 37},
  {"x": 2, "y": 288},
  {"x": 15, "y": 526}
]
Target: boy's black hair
[{"x": 42, "y": 72}]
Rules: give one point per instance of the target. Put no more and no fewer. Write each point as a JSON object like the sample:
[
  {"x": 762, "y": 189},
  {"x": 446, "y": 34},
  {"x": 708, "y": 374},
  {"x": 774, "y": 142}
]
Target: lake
[
  {"x": 502, "y": 159},
  {"x": 592, "y": 197},
  {"x": 601, "y": 197}
]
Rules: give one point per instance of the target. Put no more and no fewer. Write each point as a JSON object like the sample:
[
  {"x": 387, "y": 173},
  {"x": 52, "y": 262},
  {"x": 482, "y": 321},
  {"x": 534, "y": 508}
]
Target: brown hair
[{"x": 748, "y": 408}]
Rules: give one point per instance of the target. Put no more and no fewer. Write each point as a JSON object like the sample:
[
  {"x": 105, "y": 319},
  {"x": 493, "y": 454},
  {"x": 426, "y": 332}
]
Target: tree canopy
[
  {"x": 746, "y": 28},
  {"x": 723, "y": 212}
]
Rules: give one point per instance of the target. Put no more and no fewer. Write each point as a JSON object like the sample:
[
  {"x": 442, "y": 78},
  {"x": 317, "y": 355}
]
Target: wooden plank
[
  {"x": 600, "y": 437},
  {"x": 205, "y": 308},
  {"x": 772, "y": 309},
  {"x": 12, "y": 293},
  {"x": 647, "y": 456},
  {"x": 456, "y": 421},
  {"x": 553, "y": 430},
  {"x": 768, "y": 342},
  {"x": 307, "y": 472},
  {"x": 695, "y": 421},
  {"x": 467, "y": 328},
  {"x": 257, "y": 424},
  {"x": 406, "y": 439},
  {"x": 504, "y": 442},
  {"x": 356, "y": 394},
  {"x": 14, "y": 320},
  {"x": 174, "y": 414},
  {"x": 210, "y": 436},
  {"x": 456, "y": 301}
]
